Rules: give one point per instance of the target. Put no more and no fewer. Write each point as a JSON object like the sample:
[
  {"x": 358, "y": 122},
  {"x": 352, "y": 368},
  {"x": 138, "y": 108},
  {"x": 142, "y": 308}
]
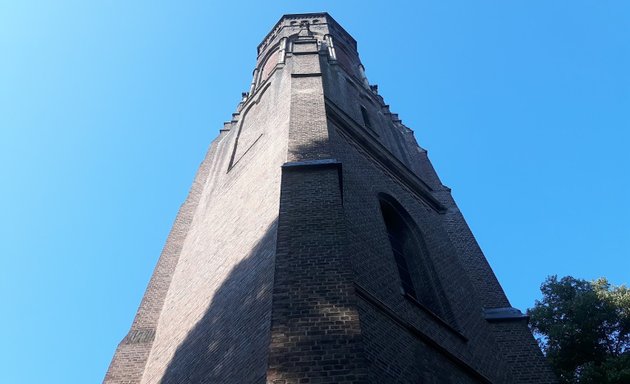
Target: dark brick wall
[
  {"x": 466, "y": 341},
  {"x": 414, "y": 362},
  {"x": 315, "y": 334},
  {"x": 520, "y": 349},
  {"x": 466, "y": 335},
  {"x": 278, "y": 268}
]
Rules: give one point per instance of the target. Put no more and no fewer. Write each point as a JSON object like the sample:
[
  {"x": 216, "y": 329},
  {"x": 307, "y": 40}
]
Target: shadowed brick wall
[{"x": 315, "y": 332}]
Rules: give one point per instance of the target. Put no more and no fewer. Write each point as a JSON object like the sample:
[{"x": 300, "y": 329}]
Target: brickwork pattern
[
  {"x": 520, "y": 349},
  {"x": 284, "y": 274},
  {"x": 308, "y": 132},
  {"x": 415, "y": 361},
  {"x": 468, "y": 280},
  {"x": 315, "y": 323},
  {"x": 221, "y": 276},
  {"x": 130, "y": 358},
  {"x": 375, "y": 268},
  {"x": 217, "y": 311}
]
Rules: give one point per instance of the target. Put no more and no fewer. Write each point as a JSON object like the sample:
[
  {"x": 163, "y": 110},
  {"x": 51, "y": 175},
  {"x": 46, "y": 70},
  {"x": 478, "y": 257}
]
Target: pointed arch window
[{"x": 418, "y": 277}]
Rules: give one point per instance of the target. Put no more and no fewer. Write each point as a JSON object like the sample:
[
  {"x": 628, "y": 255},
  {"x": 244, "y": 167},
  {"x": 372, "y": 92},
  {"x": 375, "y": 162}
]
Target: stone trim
[
  {"x": 435, "y": 317},
  {"x": 137, "y": 336},
  {"x": 495, "y": 315}
]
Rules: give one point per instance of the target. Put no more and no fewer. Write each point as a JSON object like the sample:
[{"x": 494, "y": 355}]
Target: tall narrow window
[
  {"x": 399, "y": 240},
  {"x": 418, "y": 278},
  {"x": 366, "y": 118}
]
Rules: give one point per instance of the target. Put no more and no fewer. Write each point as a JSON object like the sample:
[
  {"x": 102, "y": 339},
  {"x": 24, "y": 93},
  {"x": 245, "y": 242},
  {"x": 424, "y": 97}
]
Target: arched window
[{"x": 417, "y": 275}]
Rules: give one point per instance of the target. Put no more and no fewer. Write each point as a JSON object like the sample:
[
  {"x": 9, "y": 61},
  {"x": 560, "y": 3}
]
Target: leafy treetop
[{"x": 584, "y": 329}]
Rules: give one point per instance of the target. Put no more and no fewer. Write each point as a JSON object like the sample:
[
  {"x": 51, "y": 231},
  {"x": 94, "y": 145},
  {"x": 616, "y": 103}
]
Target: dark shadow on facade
[{"x": 230, "y": 343}]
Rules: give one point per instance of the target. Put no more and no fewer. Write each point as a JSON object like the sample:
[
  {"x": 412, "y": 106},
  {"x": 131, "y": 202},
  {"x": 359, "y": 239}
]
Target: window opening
[
  {"x": 366, "y": 118},
  {"x": 417, "y": 275}
]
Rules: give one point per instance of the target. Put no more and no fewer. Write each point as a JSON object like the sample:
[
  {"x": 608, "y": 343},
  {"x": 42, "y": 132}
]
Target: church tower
[{"x": 318, "y": 245}]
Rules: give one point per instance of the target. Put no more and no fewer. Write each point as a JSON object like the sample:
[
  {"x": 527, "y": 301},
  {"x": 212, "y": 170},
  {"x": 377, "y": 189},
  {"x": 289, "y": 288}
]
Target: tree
[{"x": 584, "y": 329}]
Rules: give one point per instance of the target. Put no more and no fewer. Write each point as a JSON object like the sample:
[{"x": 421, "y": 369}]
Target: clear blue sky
[{"x": 107, "y": 108}]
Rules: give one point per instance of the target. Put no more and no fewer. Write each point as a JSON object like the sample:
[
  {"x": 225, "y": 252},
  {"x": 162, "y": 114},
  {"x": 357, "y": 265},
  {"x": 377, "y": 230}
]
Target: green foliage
[{"x": 584, "y": 329}]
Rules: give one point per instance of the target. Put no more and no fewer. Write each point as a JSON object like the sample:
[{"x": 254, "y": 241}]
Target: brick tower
[{"x": 318, "y": 245}]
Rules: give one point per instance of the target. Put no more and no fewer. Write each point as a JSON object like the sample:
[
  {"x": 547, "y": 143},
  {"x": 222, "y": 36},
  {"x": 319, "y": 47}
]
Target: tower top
[{"x": 320, "y": 22}]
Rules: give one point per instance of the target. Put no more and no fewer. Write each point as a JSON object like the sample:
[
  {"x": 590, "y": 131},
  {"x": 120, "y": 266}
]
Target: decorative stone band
[
  {"x": 312, "y": 163},
  {"x": 494, "y": 315},
  {"x": 137, "y": 336}
]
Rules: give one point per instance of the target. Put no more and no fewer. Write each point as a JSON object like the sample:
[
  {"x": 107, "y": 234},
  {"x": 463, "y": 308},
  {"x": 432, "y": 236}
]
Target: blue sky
[{"x": 107, "y": 109}]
